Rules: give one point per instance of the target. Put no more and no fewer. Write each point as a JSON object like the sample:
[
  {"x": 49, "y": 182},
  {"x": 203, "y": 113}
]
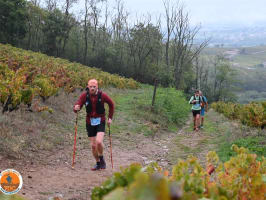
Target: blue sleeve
[{"x": 205, "y": 99}]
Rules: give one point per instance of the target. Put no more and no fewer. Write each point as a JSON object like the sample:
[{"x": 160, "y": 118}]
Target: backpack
[
  {"x": 201, "y": 100},
  {"x": 204, "y": 102},
  {"x": 99, "y": 106}
]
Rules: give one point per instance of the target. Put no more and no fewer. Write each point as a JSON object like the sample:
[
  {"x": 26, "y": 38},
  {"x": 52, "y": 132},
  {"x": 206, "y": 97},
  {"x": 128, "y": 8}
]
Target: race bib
[{"x": 95, "y": 121}]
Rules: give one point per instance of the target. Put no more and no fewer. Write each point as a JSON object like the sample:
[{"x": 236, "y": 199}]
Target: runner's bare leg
[
  {"x": 94, "y": 148},
  {"x": 99, "y": 143},
  {"x": 197, "y": 121}
]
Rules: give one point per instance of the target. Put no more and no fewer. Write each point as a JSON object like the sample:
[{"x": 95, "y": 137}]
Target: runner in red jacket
[{"x": 94, "y": 100}]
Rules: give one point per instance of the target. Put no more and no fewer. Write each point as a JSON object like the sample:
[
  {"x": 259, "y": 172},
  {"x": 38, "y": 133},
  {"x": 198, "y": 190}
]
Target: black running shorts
[
  {"x": 195, "y": 112},
  {"x": 93, "y": 130}
]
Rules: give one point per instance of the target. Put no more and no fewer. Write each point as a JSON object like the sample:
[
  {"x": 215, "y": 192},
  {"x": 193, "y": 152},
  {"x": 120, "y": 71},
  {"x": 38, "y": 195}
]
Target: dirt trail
[
  {"x": 52, "y": 176},
  {"x": 55, "y": 177}
]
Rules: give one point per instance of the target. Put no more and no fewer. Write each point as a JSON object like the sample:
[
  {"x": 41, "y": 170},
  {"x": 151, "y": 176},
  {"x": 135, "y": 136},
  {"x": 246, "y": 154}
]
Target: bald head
[
  {"x": 93, "y": 86},
  {"x": 200, "y": 93},
  {"x": 93, "y": 82}
]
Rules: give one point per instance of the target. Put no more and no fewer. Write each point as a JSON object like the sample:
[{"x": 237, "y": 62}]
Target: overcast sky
[{"x": 208, "y": 11}]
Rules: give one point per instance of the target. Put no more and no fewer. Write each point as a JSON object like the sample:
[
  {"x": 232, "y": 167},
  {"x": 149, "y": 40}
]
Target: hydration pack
[{"x": 99, "y": 105}]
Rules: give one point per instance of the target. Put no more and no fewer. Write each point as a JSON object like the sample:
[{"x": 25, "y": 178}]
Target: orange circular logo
[{"x": 10, "y": 181}]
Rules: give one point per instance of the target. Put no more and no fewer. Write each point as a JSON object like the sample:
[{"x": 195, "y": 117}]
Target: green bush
[
  {"x": 254, "y": 144},
  {"x": 172, "y": 103}
]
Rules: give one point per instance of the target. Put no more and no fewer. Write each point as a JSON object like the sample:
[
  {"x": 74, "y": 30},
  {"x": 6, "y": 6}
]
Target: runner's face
[
  {"x": 197, "y": 93},
  {"x": 93, "y": 87}
]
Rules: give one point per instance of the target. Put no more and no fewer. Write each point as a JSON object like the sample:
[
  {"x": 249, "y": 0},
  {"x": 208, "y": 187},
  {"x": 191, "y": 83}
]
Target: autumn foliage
[
  {"x": 252, "y": 114},
  {"x": 242, "y": 177},
  {"x": 25, "y": 75}
]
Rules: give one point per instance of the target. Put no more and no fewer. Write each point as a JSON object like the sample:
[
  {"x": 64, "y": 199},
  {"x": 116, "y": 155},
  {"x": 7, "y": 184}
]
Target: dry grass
[{"x": 24, "y": 133}]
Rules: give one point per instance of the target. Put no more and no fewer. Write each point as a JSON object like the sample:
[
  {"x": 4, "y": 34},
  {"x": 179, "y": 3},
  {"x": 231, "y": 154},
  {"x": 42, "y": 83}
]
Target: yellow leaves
[
  {"x": 242, "y": 177},
  {"x": 212, "y": 158},
  {"x": 44, "y": 108},
  {"x": 235, "y": 148},
  {"x": 45, "y": 86},
  {"x": 154, "y": 185},
  {"x": 13, "y": 86},
  {"x": 24, "y": 72},
  {"x": 116, "y": 194},
  {"x": 252, "y": 114}
]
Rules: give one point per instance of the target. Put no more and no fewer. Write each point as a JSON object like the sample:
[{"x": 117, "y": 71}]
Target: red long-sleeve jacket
[{"x": 94, "y": 98}]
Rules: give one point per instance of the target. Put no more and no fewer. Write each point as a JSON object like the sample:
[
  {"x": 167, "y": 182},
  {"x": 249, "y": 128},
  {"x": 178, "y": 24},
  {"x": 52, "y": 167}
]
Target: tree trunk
[{"x": 154, "y": 92}]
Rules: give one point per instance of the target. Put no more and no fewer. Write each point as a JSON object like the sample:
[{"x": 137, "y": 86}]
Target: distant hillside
[
  {"x": 246, "y": 57},
  {"x": 250, "y": 65}
]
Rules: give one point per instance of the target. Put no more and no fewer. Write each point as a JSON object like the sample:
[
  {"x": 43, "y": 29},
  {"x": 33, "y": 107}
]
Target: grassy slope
[
  {"x": 229, "y": 132},
  {"x": 218, "y": 135}
]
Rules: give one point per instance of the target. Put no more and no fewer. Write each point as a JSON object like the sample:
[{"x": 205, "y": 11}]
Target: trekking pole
[
  {"x": 110, "y": 140},
  {"x": 75, "y": 139}
]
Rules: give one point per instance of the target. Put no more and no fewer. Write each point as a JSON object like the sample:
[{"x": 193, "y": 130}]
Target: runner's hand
[
  {"x": 77, "y": 108},
  {"x": 109, "y": 122}
]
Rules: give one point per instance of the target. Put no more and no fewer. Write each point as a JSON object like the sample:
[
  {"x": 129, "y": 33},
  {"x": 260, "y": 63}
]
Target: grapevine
[
  {"x": 252, "y": 114},
  {"x": 25, "y": 75},
  {"x": 240, "y": 178}
]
